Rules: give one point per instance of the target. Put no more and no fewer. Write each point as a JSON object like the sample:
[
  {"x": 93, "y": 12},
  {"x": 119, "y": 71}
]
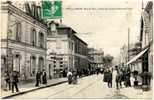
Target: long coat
[
  {"x": 14, "y": 77},
  {"x": 44, "y": 78},
  {"x": 38, "y": 76}
]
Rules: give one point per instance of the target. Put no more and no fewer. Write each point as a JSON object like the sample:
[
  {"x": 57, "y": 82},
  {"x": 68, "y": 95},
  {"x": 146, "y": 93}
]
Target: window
[
  {"x": 33, "y": 37},
  {"x": 16, "y": 65},
  {"x": 32, "y": 65},
  {"x": 41, "y": 63},
  {"x": 18, "y": 31},
  {"x": 41, "y": 39},
  {"x": 3, "y": 65}
]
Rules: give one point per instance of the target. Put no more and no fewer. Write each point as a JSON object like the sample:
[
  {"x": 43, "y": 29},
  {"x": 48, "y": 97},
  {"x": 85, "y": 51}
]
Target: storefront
[{"x": 145, "y": 75}]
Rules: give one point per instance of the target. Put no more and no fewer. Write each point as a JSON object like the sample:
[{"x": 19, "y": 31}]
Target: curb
[{"x": 23, "y": 92}]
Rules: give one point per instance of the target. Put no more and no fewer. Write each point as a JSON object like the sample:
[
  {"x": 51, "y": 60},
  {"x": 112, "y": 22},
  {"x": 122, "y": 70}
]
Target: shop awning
[{"x": 137, "y": 56}]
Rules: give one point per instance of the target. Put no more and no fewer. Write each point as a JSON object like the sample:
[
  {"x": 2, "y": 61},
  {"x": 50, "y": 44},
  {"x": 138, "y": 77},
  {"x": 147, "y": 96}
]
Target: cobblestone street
[{"x": 87, "y": 87}]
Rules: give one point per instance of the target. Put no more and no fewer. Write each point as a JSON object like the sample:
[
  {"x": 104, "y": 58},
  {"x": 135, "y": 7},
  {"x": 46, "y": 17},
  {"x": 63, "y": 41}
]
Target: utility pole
[
  {"x": 142, "y": 5},
  {"x": 128, "y": 43}
]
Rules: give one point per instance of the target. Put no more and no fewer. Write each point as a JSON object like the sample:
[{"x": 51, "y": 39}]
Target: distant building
[
  {"x": 23, "y": 42},
  {"x": 124, "y": 55},
  {"x": 96, "y": 57}
]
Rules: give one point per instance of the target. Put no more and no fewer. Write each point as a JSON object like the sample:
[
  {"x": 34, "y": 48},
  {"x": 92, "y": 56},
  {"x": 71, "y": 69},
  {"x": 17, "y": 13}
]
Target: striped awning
[{"x": 137, "y": 56}]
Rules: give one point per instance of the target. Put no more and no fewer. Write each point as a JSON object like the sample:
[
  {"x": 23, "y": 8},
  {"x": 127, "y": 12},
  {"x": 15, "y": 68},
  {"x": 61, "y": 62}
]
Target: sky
[{"x": 105, "y": 29}]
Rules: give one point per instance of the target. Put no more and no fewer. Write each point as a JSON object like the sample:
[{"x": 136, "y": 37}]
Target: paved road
[{"x": 87, "y": 87}]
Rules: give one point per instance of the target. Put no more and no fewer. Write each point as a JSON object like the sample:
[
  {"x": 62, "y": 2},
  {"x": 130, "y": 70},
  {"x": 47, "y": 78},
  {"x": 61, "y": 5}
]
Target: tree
[{"x": 107, "y": 60}]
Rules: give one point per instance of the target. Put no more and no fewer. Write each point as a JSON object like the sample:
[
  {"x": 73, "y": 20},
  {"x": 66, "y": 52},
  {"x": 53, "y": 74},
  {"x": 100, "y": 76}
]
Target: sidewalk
[
  {"x": 24, "y": 88},
  {"x": 133, "y": 93},
  {"x": 138, "y": 93}
]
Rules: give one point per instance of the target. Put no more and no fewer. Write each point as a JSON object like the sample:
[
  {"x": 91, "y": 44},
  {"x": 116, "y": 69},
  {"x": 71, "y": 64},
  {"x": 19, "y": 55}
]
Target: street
[
  {"x": 87, "y": 87},
  {"x": 47, "y": 43}
]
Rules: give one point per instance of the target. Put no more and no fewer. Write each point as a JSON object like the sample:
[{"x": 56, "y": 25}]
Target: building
[
  {"x": 23, "y": 42},
  {"x": 146, "y": 51},
  {"x": 60, "y": 48},
  {"x": 134, "y": 49},
  {"x": 65, "y": 49},
  {"x": 123, "y": 55},
  {"x": 80, "y": 54},
  {"x": 96, "y": 57},
  {"x": 146, "y": 38}
]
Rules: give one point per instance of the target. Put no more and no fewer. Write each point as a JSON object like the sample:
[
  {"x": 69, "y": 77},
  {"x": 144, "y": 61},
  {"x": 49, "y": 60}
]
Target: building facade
[
  {"x": 66, "y": 50},
  {"x": 60, "y": 48},
  {"x": 146, "y": 37},
  {"x": 96, "y": 57},
  {"x": 23, "y": 42},
  {"x": 134, "y": 50},
  {"x": 123, "y": 55},
  {"x": 81, "y": 59}
]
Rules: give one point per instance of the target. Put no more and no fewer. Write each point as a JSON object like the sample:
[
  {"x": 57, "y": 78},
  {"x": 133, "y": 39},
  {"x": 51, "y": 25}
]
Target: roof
[
  {"x": 9, "y": 6},
  {"x": 62, "y": 26},
  {"x": 80, "y": 39}
]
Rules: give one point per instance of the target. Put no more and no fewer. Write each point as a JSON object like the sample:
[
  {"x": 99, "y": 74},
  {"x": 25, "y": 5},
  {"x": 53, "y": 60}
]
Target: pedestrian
[
  {"x": 38, "y": 78},
  {"x": 69, "y": 76},
  {"x": 112, "y": 69},
  {"x": 129, "y": 75},
  {"x": 78, "y": 73},
  {"x": 109, "y": 78},
  {"x": 123, "y": 74},
  {"x": 127, "y": 81},
  {"x": 7, "y": 81},
  {"x": 105, "y": 78},
  {"x": 120, "y": 78},
  {"x": 117, "y": 80},
  {"x": 14, "y": 80},
  {"x": 125, "y": 77},
  {"x": 44, "y": 77},
  {"x": 74, "y": 77},
  {"x": 64, "y": 73}
]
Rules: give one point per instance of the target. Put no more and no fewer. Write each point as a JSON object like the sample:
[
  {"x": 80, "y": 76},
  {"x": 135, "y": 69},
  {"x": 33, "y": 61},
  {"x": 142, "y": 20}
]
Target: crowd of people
[
  {"x": 12, "y": 80},
  {"x": 41, "y": 77},
  {"x": 122, "y": 76}
]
